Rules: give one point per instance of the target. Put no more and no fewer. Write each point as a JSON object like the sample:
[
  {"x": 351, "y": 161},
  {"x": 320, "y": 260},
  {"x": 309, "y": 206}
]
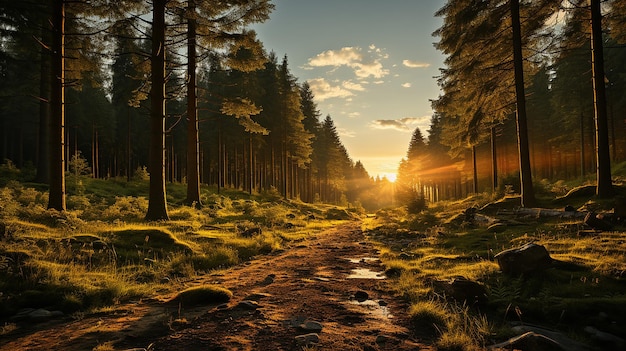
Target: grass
[
  {"x": 203, "y": 295},
  {"x": 585, "y": 286},
  {"x": 101, "y": 253}
]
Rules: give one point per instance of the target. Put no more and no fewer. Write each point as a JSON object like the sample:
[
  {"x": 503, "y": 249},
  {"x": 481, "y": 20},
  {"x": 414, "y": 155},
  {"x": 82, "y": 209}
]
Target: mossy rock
[
  {"x": 339, "y": 214},
  {"x": 153, "y": 241},
  {"x": 202, "y": 295}
]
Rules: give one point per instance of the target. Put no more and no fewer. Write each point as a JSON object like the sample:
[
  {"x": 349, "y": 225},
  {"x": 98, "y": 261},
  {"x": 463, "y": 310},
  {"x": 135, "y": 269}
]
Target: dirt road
[{"x": 327, "y": 293}]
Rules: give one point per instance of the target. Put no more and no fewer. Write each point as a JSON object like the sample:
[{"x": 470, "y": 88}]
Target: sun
[{"x": 390, "y": 177}]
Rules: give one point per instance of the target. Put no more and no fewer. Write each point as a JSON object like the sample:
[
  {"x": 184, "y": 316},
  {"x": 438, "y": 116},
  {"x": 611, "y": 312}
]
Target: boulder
[
  {"x": 525, "y": 259},
  {"x": 462, "y": 289}
]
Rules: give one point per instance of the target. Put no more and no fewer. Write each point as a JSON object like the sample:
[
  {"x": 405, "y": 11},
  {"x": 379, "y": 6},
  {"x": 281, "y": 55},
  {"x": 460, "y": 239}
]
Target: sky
[{"x": 371, "y": 65}]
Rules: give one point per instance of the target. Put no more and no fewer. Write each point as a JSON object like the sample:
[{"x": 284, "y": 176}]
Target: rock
[
  {"x": 525, "y": 259},
  {"x": 462, "y": 289},
  {"x": 595, "y": 221},
  {"x": 382, "y": 303},
  {"x": 268, "y": 280},
  {"x": 40, "y": 315},
  {"x": 257, "y": 296},
  {"x": 382, "y": 339},
  {"x": 247, "y": 305},
  {"x": 361, "y": 296},
  {"x": 405, "y": 256},
  {"x": 607, "y": 340},
  {"x": 311, "y": 326},
  {"x": 307, "y": 339},
  {"x": 251, "y": 232}
]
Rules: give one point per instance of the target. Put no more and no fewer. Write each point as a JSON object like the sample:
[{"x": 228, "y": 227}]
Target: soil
[{"x": 333, "y": 279}]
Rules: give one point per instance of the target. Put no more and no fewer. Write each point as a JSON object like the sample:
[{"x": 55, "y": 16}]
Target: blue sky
[{"x": 370, "y": 64}]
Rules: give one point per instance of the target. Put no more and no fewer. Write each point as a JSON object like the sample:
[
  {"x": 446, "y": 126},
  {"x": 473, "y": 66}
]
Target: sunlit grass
[
  {"x": 100, "y": 252},
  {"x": 437, "y": 246}
]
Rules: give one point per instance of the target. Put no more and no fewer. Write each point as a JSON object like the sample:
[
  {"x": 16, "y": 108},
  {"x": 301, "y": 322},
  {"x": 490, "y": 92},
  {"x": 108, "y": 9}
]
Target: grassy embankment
[
  {"x": 101, "y": 252},
  {"x": 585, "y": 286}
]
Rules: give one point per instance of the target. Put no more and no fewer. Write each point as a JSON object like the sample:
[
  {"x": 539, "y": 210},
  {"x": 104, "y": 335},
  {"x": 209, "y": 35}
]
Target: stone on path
[{"x": 307, "y": 339}]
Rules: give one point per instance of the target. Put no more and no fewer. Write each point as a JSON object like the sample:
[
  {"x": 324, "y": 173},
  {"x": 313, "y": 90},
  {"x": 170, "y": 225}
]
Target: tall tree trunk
[
  {"x": 494, "y": 160},
  {"x": 474, "y": 171},
  {"x": 157, "y": 205},
  {"x": 43, "y": 159},
  {"x": 526, "y": 181},
  {"x": 604, "y": 188},
  {"x": 193, "y": 144},
  {"x": 56, "y": 199}
]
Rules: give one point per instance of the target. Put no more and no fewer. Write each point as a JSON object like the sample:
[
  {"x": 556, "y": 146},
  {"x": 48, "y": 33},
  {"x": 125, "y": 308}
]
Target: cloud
[
  {"x": 346, "y": 56},
  {"x": 415, "y": 64},
  {"x": 342, "y": 132},
  {"x": 389, "y": 124},
  {"x": 364, "y": 64},
  {"x": 323, "y": 90},
  {"x": 352, "y": 86},
  {"x": 403, "y": 124},
  {"x": 406, "y": 85}
]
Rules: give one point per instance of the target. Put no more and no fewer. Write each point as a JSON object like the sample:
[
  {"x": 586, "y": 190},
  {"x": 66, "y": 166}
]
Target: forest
[
  {"x": 191, "y": 98},
  {"x": 166, "y": 183},
  {"x": 480, "y": 139}
]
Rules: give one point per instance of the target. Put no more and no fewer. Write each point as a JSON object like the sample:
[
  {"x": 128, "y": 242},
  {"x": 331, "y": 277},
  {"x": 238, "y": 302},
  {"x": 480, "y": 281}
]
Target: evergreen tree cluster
[
  {"x": 474, "y": 141},
  {"x": 182, "y": 87}
]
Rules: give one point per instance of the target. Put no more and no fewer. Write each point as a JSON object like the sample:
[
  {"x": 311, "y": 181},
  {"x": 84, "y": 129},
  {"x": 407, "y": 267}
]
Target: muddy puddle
[{"x": 365, "y": 273}]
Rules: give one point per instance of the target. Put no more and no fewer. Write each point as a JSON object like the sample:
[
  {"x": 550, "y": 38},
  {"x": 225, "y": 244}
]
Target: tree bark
[
  {"x": 193, "y": 144},
  {"x": 43, "y": 159},
  {"x": 526, "y": 181},
  {"x": 494, "y": 160},
  {"x": 157, "y": 204},
  {"x": 56, "y": 199},
  {"x": 604, "y": 187}
]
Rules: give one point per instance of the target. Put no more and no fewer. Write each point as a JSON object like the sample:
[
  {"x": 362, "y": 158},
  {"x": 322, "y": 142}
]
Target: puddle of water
[
  {"x": 374, "y": 308},
  {"x": 362, "y": 259},
  {"x": 365, "y": 273}
]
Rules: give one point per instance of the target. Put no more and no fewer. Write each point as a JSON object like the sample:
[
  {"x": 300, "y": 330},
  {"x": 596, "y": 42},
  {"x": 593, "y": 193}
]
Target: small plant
[{"x": 141, "y": 174}]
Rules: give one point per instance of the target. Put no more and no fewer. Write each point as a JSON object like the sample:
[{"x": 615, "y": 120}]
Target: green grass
[
  {"x": 100, "y": 252},
  {"x": 203, "y": 295},
  {"x": 584, "y": 287}
]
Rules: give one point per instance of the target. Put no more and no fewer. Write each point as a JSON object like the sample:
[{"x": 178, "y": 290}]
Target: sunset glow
[{"x": 371, "y": 66}]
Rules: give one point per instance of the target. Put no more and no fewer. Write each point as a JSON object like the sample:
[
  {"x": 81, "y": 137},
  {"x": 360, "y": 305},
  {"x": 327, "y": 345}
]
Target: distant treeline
[
  {"x": 83, "y": 79},
  {"x": 474, "y": 142}
]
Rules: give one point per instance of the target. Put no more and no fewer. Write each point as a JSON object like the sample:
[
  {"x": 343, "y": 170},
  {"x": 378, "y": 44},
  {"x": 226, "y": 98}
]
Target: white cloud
[
  {"x": 374, "y": 69},
  {"x": 389, "y": 124},
  {"x": 352, "y": 86},
  {"x": 342, "y": 132},
  {"x": 406, "y": 85},
  {"x": 346, "y": 56},
  {"x": 323, "y": 90},
  {"x": 402, "y": 124},
  {"x": 364, "y": 64},
  {"x": 415, "y": 64}
]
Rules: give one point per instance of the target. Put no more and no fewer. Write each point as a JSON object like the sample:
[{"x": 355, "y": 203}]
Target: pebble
[
  {"x": 307, "y": 339},
  {"x": 248, "y": 305},
  {"x": 311, "y": 326},
  {"x": 361, "y": 295}
]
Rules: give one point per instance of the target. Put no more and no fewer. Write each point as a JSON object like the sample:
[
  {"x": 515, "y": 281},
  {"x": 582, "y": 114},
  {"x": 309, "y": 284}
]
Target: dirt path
[{"x": 330, "y": 282}]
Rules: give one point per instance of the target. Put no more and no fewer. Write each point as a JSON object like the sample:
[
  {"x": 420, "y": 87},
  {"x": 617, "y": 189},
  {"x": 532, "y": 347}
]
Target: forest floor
[{"x": 330, "y": 281}]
